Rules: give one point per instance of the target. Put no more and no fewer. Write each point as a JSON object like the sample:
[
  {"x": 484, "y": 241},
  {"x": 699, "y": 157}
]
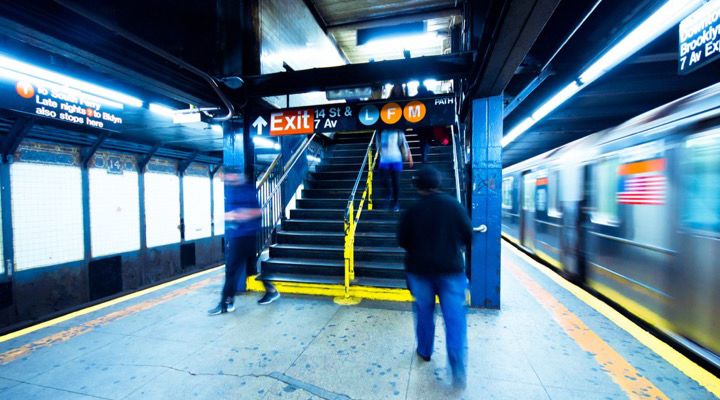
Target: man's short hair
[{"x": 427, "y": 178}]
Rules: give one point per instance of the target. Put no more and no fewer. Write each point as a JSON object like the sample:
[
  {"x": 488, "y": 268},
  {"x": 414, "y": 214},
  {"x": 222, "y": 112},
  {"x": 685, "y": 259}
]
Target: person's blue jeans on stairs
[{"x": 450, "y": 289}]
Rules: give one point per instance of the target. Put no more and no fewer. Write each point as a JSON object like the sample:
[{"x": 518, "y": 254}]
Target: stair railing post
[{"x": 370, "y": 179}]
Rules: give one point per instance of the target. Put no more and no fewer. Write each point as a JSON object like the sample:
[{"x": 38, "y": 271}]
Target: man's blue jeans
[{"x": 450, "y": 289}]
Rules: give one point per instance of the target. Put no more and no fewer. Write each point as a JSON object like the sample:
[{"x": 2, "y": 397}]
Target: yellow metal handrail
[{"x": 352, "y": 217}]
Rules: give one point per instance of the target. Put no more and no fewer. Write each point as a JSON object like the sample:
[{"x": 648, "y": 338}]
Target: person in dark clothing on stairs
[{"x": 434, "y": 232}]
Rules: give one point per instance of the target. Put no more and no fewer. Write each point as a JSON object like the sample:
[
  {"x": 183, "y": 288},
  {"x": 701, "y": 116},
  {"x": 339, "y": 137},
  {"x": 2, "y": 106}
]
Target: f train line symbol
[{"x": 391, "y": 113}]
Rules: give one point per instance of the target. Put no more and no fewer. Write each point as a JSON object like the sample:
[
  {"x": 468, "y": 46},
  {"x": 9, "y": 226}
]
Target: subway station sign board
[
  {"x": 378, "y": 114},
  {"x": 49, "y": 100},
  {"x": 700, "y": 38}
]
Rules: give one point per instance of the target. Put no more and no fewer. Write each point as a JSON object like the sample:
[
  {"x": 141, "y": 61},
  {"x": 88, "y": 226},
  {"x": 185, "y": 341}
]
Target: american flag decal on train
[{"x": 642, "y": 182}]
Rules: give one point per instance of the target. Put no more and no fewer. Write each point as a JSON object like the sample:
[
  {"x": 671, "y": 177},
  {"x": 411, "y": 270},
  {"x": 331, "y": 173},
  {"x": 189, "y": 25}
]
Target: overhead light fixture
[
  {"x": 265, "y": 143},
  {"x": 555, "y": 101},
  {"x": 406, "y": 42},
  {"x": 517, "y": 131},
  {"x": 64, "y": 80},
  {"x": 667, "y": 16},
  {"x": 161, "y": 109}
]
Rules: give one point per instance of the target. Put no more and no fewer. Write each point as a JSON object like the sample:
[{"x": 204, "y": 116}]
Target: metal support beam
[
  {"x": 486, "y": 199},
  {"x": 184, "y": 164},
  {"x": 15, "y": 136},
  {"x": 142, "y": 163},
  {"x": 87, "y": 153},
  {"x": 412, "y": 15},
  {"x": 506, "y": 46},
  {"x": 442, "y": 67},
  {"x": 537, "y": 81}
]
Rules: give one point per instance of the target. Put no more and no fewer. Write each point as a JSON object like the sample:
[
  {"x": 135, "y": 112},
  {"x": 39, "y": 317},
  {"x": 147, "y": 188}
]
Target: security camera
[{"x": 233, "y": 82}]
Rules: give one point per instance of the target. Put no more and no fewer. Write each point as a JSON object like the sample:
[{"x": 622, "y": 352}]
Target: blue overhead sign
[
  {"x": 53, "y": 101},
  {"x": 700, "y": 38}
]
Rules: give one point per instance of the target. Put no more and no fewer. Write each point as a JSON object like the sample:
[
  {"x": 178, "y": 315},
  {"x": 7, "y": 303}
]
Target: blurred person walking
[
  {"x": 434, "y": 232},
  {"x": 242, "y": 222},
  {"x": 394, "y": 150}
]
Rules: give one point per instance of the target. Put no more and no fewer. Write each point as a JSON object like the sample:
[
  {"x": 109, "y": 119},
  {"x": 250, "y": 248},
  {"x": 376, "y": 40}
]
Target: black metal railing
[{"x": 270, "y": 188}]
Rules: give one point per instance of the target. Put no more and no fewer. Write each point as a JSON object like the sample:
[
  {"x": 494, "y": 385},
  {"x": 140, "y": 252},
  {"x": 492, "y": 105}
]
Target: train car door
[
  {"x": 697, "y": 291},
  {"x": 528, "y": 211}
]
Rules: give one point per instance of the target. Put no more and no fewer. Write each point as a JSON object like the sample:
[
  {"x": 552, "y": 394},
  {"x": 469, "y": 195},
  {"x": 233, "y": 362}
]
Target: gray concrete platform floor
[{"x": 163, "y": 346}]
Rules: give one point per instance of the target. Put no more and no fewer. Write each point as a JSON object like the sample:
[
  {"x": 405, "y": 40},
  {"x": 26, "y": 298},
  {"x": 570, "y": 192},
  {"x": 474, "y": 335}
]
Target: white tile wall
[
  {"x": 162, "y": 209},
  {"x": 196, "y": 206},
  {"x": 47, "y": 214},
  {"x": 114, "y": 212},
  {"x": 219, "y": 206}
]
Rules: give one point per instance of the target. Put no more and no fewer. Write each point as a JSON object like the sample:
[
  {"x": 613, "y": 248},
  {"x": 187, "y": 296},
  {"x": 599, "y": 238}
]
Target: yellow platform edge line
[
  {"x": 100, "y": 306},
  {"x": 664, "y": 350},
  {"x": 328, "y": 290}
]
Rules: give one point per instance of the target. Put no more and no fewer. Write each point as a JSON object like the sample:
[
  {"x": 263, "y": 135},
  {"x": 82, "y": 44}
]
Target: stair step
[
  {"x": 391, "y": 283},
  {"x": 378, "y": 182},
  {"x": 339, "y": 214},
  {"x": 364, "y": 239},
  {"x": 309, "y": 225},
  {"x": 405, "y": 175},
  {"x": 359, "y": 152},
  {"x": 379, "y": 193},
  {"x": 333, "y": 167},
  {"x": 342, "y": 203},
  {"x": 381, "y": 254},
  {"x": 332, "y": 268}
]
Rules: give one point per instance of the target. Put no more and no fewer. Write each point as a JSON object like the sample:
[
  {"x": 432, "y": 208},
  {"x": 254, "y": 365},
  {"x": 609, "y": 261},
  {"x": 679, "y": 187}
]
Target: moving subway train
[{"x": 634, "y": 213}]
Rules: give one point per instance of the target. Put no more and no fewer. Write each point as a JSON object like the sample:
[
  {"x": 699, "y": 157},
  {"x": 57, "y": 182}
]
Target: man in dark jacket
[
  {"x": 242, "y": 222},
  {"x": 434, "y": 231}
]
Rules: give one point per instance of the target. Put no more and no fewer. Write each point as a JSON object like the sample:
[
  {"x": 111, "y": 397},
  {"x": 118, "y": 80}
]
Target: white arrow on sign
[{"x": 259, "y": 123}]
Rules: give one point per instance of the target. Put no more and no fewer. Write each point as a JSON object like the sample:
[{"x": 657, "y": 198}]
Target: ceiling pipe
[{"x": 158, "y": 51}]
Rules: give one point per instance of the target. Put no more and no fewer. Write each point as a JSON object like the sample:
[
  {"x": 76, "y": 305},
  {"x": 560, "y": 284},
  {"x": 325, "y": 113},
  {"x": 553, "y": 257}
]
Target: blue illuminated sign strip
[
  {"x": 699, "y": 36},
  {"x": 45, "y": 99}
]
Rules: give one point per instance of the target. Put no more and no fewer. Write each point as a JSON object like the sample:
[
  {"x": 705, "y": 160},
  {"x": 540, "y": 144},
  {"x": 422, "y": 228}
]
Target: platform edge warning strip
[
  {"x": 100, "y": 306},
  {"x": 662, "y": 349}
]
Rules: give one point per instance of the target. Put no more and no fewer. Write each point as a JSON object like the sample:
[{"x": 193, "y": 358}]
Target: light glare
[
  {"x": 37, "y": 72},
  {"x": 161, "y": 109}
]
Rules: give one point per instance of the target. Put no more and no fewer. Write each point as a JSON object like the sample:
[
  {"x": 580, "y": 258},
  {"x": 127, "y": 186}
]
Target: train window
[
  {"x": 114, "y": 211},
  {"x": 218, "y": 205},
  {"x": 47, "y": 214},
  {"x": 162, "y": 208},
  {"x": 196, "y": 206},
  {"x": 701, "y": 179},
  {"x": 604, "y": 192},
  {"x": 554, "y": 194},
  {"x": 507, "y": 199},
  {"x": 529, "y": 193}
]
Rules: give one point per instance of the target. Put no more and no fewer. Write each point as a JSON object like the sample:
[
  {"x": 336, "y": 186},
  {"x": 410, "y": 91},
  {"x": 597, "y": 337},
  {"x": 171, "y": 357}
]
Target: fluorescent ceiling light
[
  {"x": 17, "y": 76},
  {"x": 161, "y": 109},
  {"x": 405, "y": 42},
  {"x": 517, "y": 131},
  {"x": 37, "y": 72},
  {"x": 556, "y": 101},
  {"x": 667, "y": 16},
  {"x": 265, "y": 143},
  {"x": 663, "y": 19}
]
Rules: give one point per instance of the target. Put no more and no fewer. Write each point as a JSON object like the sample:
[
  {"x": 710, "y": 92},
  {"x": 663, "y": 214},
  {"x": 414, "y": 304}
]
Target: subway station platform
[{"x": 550, "y": 341}]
